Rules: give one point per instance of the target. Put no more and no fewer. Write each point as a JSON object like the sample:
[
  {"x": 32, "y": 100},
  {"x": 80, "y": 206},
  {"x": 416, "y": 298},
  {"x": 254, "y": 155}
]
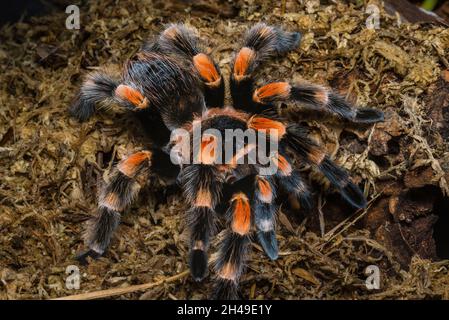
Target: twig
[
  {"x": 321, "y": 216},
  {"x": 119, "y": 291},
  {"x": 441, "y": 56},
  {"x": 345, "y": 224},
  {"x": 283, "y": 6}
]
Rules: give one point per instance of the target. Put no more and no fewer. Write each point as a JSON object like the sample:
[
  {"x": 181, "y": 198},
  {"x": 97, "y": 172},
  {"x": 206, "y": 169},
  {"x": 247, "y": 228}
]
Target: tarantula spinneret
[{"x": 172, "y": 84}]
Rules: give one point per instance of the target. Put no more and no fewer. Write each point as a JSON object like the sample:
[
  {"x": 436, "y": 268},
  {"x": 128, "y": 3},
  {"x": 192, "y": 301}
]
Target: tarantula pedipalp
[{"x": 173, "y": 84}]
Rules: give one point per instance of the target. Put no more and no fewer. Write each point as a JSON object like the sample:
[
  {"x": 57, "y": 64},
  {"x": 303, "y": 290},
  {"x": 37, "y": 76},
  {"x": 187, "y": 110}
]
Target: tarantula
[{"x": 171, "y": 84}]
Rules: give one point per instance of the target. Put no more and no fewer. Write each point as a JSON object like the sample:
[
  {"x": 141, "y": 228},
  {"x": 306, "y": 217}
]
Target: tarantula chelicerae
[{"x": 172, "y": 84}]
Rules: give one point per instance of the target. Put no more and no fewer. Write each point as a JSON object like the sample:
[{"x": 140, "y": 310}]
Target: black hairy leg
[
  {"x": 314, "y": 98},
  {"x": 251, "y": 206},
  {"x": 264, "y": 212},
  {"x": 202, "y": 185},
  {"x": 115, "y": 197},
  {"x": 233, "y": 249},
  {"x": 264, "y": 206}
]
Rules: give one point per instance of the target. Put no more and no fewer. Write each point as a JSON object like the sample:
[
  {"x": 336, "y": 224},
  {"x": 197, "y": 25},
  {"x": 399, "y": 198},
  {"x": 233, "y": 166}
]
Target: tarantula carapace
[{"x": 173, "y": 84}]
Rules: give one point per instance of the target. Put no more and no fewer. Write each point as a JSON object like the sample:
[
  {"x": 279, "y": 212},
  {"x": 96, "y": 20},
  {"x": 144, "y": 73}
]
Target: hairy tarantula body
[{"x": 173, "y": 84}]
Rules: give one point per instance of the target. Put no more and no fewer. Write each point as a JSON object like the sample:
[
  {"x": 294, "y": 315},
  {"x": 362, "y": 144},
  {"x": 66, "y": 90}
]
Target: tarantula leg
[
  {"x": 98, "y": 88},
  {"x": 265, "y": 215},
  {"x": 298, "y": 141},
  {"x": 82, "y": 256},
  {"x": 202, "y": 187},
  {"x": 291, "y": 181},
  {"x": 115, "y": 198},
  {"x": 263, "y": 191},
  {"x": 184, "y": 41},
  {"x": 201, "y": 223},
  {"x": 261, "y": 43},
  {"x": 317, "y": 98},
  {"x": 233, "y": 249}
]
